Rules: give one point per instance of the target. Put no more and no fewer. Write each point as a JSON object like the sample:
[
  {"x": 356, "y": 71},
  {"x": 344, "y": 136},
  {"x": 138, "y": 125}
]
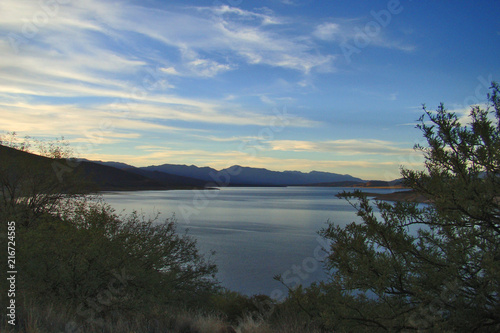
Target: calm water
[{"x": 256, "y": 232}]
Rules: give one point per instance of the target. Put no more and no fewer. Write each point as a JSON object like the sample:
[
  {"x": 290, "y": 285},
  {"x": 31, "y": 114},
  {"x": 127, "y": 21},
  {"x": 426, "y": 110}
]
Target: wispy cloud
[
  {"x": 288, "y": 2},
  {"x": 79, "y": 124},
  {"x": 124, "y": 71},
  {"x": 204, "y": 112},
  {"x": 351, "y": 30},
  {"x": 77, "y": 53},
  {"x": 328, "y": 31},
  {"x": 343, "y": 147},
  {"x": 245, "y": 138}
]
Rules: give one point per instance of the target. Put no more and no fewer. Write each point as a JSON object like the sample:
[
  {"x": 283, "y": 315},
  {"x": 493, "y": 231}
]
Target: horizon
[
  {"x": 335, "y": 87},
  {"x": 78, "y": 160},
  {"x": 224, "y": 168}
]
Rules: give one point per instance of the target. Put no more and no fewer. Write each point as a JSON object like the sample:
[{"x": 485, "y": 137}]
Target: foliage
[
  {"x": 57, "y": 149},
  {"x": 403, "y": 267},
  {"x": 104, "y": 266},
  {"x": 78, "y": 257},
  {"x": 32, "y": 185},
  {"x": 74, "y": 251},
  {"x": 237, "y": 307},
  {"x": 302, "y": 307},
  {"x": 434, "y": 267}
]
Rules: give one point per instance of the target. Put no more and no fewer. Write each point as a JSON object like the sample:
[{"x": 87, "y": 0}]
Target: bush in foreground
[
  {"x": 105, "y": 267},
  {"x": 432, "y": 268}
]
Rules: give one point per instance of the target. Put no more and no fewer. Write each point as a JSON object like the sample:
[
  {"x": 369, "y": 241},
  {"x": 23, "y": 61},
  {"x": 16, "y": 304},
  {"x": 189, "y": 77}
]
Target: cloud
[
  {"x": 194, "y": 65},
  {"x": 171, "y": 108},
  {"x": 170, "y": 71},
  {"x": 358, "y": 32},
  {"x": 265, "y": 99},
  {"x": 76, "y": 51},
  {"x": 107, "y": 72},
  {"x": 327, "y": 31},
  {"x": 242, "y": 35},
  {"x": 344, "y": 147},
  {"x": 245, "y": 138},
  {"x": 78, "y": 124},
  {"x": 116, "y": 122},
  {"x": 101, "y": 137},
  {"x": 265, "y": 18},
  {"x": 207, "y": 68},
  {"x": 288, "y": 2}
]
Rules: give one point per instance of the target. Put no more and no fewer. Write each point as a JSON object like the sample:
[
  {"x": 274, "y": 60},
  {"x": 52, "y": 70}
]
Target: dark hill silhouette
[
  {"x": 97, "y": 177},
  {"x": 239, "y": 176},
  {"x": 118, "y": 165},
  {"x": 172, "y": 180},
  {"x": 117, "y": 176},
  {"x": 108, "y": 178}
]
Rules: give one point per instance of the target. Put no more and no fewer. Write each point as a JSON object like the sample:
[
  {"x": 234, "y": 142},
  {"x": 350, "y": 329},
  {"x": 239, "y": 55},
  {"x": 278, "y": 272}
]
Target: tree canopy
[
  {"x": 74, "y": 250},
  {"x": 423, "y": 267}
]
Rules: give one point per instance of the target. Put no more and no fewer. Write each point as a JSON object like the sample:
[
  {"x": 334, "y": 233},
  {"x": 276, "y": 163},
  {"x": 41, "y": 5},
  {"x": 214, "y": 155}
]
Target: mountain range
[
  {"x": 113, "y": 176},
  {"x": 17, "y": 166},
  {"x": 233, "y": 176},
  {"x": 239, "y": 176}
]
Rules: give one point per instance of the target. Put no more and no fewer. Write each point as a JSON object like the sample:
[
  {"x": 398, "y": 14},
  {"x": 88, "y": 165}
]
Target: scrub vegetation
[{"x": 406, "y": 266}]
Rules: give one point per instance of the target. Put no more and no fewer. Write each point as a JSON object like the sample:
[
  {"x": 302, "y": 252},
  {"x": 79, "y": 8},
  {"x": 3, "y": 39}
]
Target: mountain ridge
[
  {"x": 243, "y": 175},
  {"x": 96, "y": 176},
  {"x": 109, "y": 176}
]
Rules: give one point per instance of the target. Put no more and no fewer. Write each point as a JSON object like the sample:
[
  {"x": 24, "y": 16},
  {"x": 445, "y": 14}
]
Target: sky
[{"x": 302, "y": 85}]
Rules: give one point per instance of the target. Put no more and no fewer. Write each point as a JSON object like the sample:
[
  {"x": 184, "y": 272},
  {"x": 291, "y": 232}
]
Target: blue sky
[{"x": 281, "y": 84}]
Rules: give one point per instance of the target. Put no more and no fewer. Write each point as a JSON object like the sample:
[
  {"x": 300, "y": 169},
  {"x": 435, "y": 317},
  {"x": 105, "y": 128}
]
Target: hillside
[
  {"x": 118, "y": 176},
  {"x": 108, "y": 178},
  {"x": 97, "y": 177},
  {"x": 239, "y": 176},
  {"x": 172, "y": 180}
]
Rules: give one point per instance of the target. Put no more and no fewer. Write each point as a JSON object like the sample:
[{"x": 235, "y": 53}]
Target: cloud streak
[
  {"x": 132, "y": 74},
  {"x": 342, "y": 31},
  {"x": 344, "y": 147}
]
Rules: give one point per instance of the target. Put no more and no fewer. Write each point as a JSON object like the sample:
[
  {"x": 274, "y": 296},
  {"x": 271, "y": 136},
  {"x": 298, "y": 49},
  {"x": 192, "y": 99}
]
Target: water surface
[{"x": 256, "y": 232}]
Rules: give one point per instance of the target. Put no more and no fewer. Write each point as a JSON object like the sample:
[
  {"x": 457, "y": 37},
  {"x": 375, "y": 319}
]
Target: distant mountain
[
  {"x": 172, "y": 180},
  {"x": 202, "y": 173},
  {"x": 97, "y": 176},
  {"x": 116, "y": 176},
  {"x": 118, "y": 165},
  {"x": 239, "y": 176},
  {"x": 109, "y": 178}
]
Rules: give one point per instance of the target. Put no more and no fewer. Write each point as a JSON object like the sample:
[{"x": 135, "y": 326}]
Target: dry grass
[
  {"x": 199, "y": 323},
  {"x": 51, "y": 318},
  {"x": 252, "y": 325}
]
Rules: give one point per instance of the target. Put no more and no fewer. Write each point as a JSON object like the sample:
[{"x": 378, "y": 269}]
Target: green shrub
[
  {"x": 103, "y": 265},
  {"x": 432, "y": 268}
]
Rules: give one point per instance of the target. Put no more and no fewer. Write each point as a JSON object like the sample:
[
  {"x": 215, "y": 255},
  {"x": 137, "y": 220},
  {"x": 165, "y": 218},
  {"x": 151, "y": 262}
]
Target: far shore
[
  {"x": 407, "y": 196},
  {"x": 382, "y": 187}
]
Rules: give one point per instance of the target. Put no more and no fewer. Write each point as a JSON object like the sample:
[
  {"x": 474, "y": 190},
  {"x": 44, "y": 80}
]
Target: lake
[{"x": 256, "y": 232}]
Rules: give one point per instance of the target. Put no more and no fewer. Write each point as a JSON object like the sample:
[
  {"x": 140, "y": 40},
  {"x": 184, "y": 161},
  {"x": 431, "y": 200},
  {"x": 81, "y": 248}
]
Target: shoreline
[{"x": 400, "y": 196}]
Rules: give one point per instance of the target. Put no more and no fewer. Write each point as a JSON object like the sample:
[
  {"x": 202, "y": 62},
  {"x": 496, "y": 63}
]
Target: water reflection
[{"x": 256, "y": 232}]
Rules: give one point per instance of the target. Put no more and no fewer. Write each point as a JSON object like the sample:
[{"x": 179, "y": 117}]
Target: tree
[
  {"x": 32, "y": 185},
  {"x": 74, "y": 251},
  {"x": 74, "y": 258},
  {"x": 433, "y": 267}
]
